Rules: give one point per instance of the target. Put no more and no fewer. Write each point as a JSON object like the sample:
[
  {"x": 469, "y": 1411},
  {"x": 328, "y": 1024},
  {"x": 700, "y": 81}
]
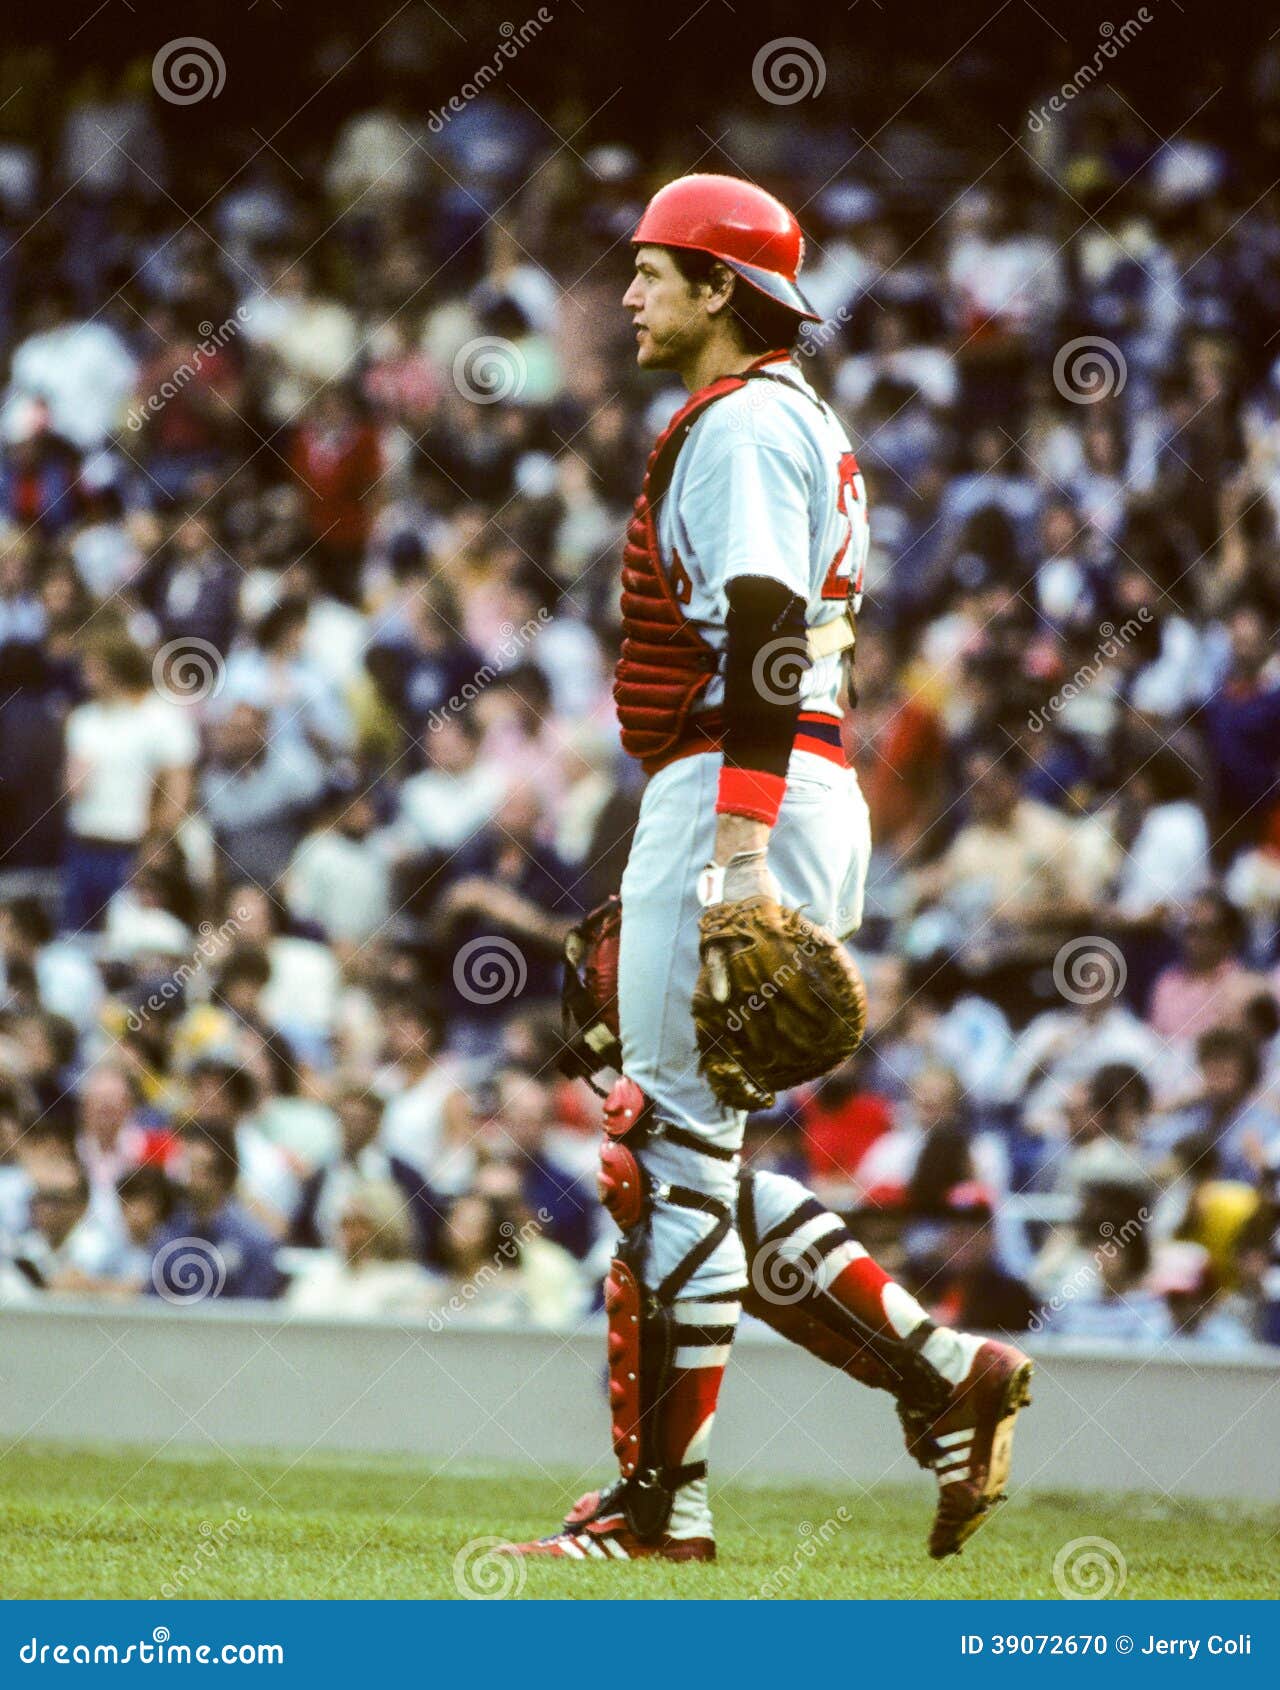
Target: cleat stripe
[{"x": 946, "y": 1439}]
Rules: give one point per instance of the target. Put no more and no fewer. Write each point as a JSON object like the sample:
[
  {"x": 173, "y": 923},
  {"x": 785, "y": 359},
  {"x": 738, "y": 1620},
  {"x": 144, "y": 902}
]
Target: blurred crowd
[{"x": 310, "y": 509}]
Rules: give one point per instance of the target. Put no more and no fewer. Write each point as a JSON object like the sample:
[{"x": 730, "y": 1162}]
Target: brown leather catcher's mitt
[{"x": 778, "y": 1001}]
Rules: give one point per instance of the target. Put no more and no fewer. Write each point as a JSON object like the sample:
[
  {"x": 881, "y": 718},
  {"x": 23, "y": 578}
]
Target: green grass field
[{"x": 123, "y": 1523}]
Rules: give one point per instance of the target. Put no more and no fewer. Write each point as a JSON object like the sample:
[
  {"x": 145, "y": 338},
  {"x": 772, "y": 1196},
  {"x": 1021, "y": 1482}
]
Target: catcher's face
[{"x": 671, "y": 317}]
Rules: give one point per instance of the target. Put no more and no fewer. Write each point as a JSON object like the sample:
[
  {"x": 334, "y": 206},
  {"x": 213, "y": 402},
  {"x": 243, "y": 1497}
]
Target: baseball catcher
[{"x": 721, "y": 977}]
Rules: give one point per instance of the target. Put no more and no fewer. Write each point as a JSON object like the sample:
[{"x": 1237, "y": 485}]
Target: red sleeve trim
[{"x": 751, "y": 793}]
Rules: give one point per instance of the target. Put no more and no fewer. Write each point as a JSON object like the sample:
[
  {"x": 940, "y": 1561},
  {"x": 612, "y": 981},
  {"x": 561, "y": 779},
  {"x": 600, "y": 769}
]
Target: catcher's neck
[{"x": 719, "y": 355}]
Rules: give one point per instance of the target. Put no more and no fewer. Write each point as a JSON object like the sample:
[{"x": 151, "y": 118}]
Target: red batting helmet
[{"x": 738, "y": 223}]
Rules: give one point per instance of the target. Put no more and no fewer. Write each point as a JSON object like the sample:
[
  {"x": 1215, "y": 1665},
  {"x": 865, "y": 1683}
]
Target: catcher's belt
[{"x": 816, "y": 733}]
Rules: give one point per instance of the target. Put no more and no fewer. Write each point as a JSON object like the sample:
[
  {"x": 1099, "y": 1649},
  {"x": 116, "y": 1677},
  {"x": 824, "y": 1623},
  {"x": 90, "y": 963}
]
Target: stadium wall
[{"x": 238, "y": 1377}]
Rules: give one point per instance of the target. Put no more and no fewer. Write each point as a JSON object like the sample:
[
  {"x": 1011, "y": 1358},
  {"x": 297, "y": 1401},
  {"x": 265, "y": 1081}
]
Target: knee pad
[{"x": 622, "y": 1183}]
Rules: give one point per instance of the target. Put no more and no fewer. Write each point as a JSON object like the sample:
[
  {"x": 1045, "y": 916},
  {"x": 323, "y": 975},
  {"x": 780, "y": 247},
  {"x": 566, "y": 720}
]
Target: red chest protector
[{"x": 665, "y": 663}]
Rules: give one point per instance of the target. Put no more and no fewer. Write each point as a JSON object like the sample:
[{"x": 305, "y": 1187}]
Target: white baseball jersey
[{"x": 767, "y": 484}]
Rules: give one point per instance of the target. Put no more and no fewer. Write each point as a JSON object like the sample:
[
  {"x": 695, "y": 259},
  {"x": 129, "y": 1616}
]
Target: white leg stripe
[
  {"x": 707, "y": 1314},
  {"x": 834, "y": 1264},
  {"x": 703, "y": 1355},
  {"x": 796, "y": 1244}
]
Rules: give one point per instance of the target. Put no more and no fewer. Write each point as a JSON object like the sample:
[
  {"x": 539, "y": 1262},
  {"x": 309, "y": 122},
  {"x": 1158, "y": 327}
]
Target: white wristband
[{"x": 711, "y": 885}]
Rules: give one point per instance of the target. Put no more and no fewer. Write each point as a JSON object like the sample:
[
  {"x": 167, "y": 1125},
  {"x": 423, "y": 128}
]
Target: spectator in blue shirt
[{"x": 211, "y": 1246}]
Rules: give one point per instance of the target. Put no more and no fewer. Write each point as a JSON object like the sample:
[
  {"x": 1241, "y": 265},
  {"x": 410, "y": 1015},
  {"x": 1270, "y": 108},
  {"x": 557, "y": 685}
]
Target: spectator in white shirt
[
  {"x": 68, "y": 1247},
  {"x": 337, "y": 880},
  {"x": 428, "y": 1122},
  {"x": 373, "y": 1271},
  {"x": 81, "y": 370},
  {"x": 130, "y": 755}
]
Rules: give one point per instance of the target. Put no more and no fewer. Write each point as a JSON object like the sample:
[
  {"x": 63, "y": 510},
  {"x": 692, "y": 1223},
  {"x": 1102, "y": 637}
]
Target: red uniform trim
[{"x": 752, "y": 793}]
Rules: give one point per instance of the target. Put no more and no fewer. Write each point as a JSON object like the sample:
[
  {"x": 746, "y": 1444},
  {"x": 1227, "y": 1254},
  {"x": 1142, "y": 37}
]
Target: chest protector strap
[{"x": 665, "y": 663}]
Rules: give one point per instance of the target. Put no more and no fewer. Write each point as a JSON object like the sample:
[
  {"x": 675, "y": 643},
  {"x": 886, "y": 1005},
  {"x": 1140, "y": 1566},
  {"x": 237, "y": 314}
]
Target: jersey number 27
[{"x": 845, "y": 571}]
